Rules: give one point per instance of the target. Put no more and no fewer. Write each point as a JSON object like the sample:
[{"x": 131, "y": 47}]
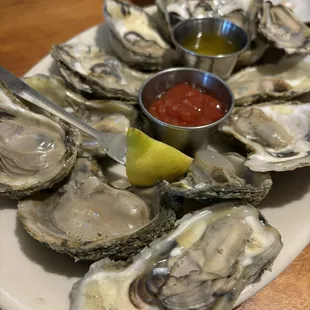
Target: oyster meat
[
  {"x": 287, "y": 79},
  {"x": 135, "y": 37},
  {"x": 88, "y": 219},
  {"x": 92, "y": 71},
  {"x": 105, "y": 115},
  {"x": 282, "y": 27},
  {"x": 214, "y": 177},
  {"x": 277, "y": 133},
  {"x": 204, "y": 264},
  {"x": 253, "y": 53},
  {"x": 35, "y": 151},
  {"x": 244, "y": 13},
  {"x": 173, "y": 11}
]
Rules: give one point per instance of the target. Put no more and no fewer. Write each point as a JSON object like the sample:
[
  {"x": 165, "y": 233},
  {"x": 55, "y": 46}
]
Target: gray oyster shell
[
  {"x": 36, "y": 152},
  {"x": 135, "y": 37},
  {"x": 214, "y": 177},
  {"x": 92, "y": 71},
  {"x": 173, "y": 11},
  {"x": 244, "y": 13},
  {"x": 282, "y": 27},
  {"x": 253, "y": 53},
  {"x": 276, "y": 133},
  {"x": 205, "y": 263},
  {"x": 105, "y": 115},
  {"x": 88, "y": 220},
  {"x": 287, "y": 79}
]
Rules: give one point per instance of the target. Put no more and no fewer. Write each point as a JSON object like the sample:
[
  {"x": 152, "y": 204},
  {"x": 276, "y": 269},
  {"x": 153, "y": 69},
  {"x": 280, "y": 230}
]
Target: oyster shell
[
  {"x": 135, "y": 37},
  {"x": 282, "y": 27},
  {"x": 215, "y": 8},
  {"x": 204, "y": 264},
  {"x": 35, "y": 151},
  {"x": 89, "y": 220},
  {"x": 214, "y": 177},
  {"x": 173, "y": 11},
  {"x": 253, "y": 53},
  {"x": 104, "y": 115},
  {"x": 277, "y": 133},
  {"x": 244, "y": 13},
  {"x": 287, "y": 79},
  {"x": 92, "y": 71}
]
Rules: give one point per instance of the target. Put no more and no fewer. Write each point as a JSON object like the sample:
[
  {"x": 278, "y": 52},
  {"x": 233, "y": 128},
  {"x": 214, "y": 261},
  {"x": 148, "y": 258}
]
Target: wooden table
[{"x": 29, "y": 28}]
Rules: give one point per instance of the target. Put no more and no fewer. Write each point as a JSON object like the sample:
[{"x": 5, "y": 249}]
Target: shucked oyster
[
  {"x": 88, "y": 219},
  {"x": 244, "y": 13},
  {"x": 135, "y": 37},
  {"x": 204, "y": 264},
  {"x": 35, "y": 151},
  {"x": 253, "y": 53},
  {"x": 277, "y": 133},
  {"x": 173, "y": 11},
  {"x": 92, "y": 71},
  {"x": 214, "y": 177},
  {"x": 284, "y": 80},
  {"x": 106, "y": 115},
  {"x": 241, "y": 12},
  {"x": 281, "y": 26}
]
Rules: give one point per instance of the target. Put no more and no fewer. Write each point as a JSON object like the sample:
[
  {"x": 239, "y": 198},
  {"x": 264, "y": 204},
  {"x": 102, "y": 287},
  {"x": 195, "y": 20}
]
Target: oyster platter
[{"x": 172, "y": 229}]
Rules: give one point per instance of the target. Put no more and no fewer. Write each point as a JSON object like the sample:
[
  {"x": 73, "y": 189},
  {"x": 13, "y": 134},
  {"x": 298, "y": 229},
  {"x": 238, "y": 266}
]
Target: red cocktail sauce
[{"x": 184, "y": 105}]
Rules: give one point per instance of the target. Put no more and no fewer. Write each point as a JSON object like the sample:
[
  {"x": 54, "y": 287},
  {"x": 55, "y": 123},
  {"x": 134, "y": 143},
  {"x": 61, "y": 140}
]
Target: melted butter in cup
[{"x": 209, "y": 44}]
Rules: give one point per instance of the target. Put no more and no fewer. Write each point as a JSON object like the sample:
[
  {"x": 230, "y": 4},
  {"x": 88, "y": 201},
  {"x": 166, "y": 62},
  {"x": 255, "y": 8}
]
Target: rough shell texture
[
  {"x": 172, "y": 11},
  {"x": 88, "y": 220},
  {"x": 105, "y": 115},
  {"x": 253, "y": 54},
  {"x": 282, "y": 27},
  {"x": 36, "y": 151},
  {"x": 285, "y": 80},
  {"x": 92, "y": 71},
  {"x": 135, "y": 37},
  {"x": 204, "y": 264},
  {"x": 276, "y": 133},
  {"x": 214, "y": 177}
]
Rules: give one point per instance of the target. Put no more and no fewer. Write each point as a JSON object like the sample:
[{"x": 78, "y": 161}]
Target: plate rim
[{"x": 8, "y": 302}]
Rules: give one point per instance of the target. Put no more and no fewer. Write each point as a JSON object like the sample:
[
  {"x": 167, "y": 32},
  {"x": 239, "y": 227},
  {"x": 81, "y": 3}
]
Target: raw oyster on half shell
[
  {"x": 287, "y": 79},
  {"x": 253, "y": 53},
  {"x": 105, "y": 115},
  {"x": 282, "y": 27},
  {"x": 173, "y": 11},
  {"x": 204, "y": 264},
  {"x": 135, "y": 37},
  {"x": 92, "y": 71},
  {"x": 243, "y": 13},
  {"x": 88, "y": 219},
  {"x": 35, "y": 151},
  {"x": 277, "y": 133},
  {"x": 214, "y": 177}
]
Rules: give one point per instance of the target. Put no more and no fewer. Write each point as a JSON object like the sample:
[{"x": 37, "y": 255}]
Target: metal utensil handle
[{"x": 26, "y": 92}]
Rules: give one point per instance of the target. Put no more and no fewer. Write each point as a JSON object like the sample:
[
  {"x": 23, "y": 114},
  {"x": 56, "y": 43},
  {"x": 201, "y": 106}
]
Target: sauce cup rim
[
  {"x": 201, "y": 20},
  {"x": 186, "y": 128}
]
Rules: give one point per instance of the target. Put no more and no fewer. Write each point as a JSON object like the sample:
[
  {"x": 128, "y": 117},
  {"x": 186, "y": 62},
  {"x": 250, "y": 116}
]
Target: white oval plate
[{"x": 35, "y": 277}]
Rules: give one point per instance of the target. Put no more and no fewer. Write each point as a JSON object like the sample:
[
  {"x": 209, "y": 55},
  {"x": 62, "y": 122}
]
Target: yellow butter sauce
[{"x": 209, "y": 44}]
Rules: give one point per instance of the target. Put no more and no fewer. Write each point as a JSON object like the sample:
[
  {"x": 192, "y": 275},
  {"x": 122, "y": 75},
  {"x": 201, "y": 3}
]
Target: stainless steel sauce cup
[
  {"x": 186, "y": 139},
  {"x": 220, "y": 65}
]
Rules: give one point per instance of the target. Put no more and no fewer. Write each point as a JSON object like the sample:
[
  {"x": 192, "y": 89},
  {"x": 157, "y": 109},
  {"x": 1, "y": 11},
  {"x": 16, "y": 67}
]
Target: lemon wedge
[{"x": 149, "y": 160}]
